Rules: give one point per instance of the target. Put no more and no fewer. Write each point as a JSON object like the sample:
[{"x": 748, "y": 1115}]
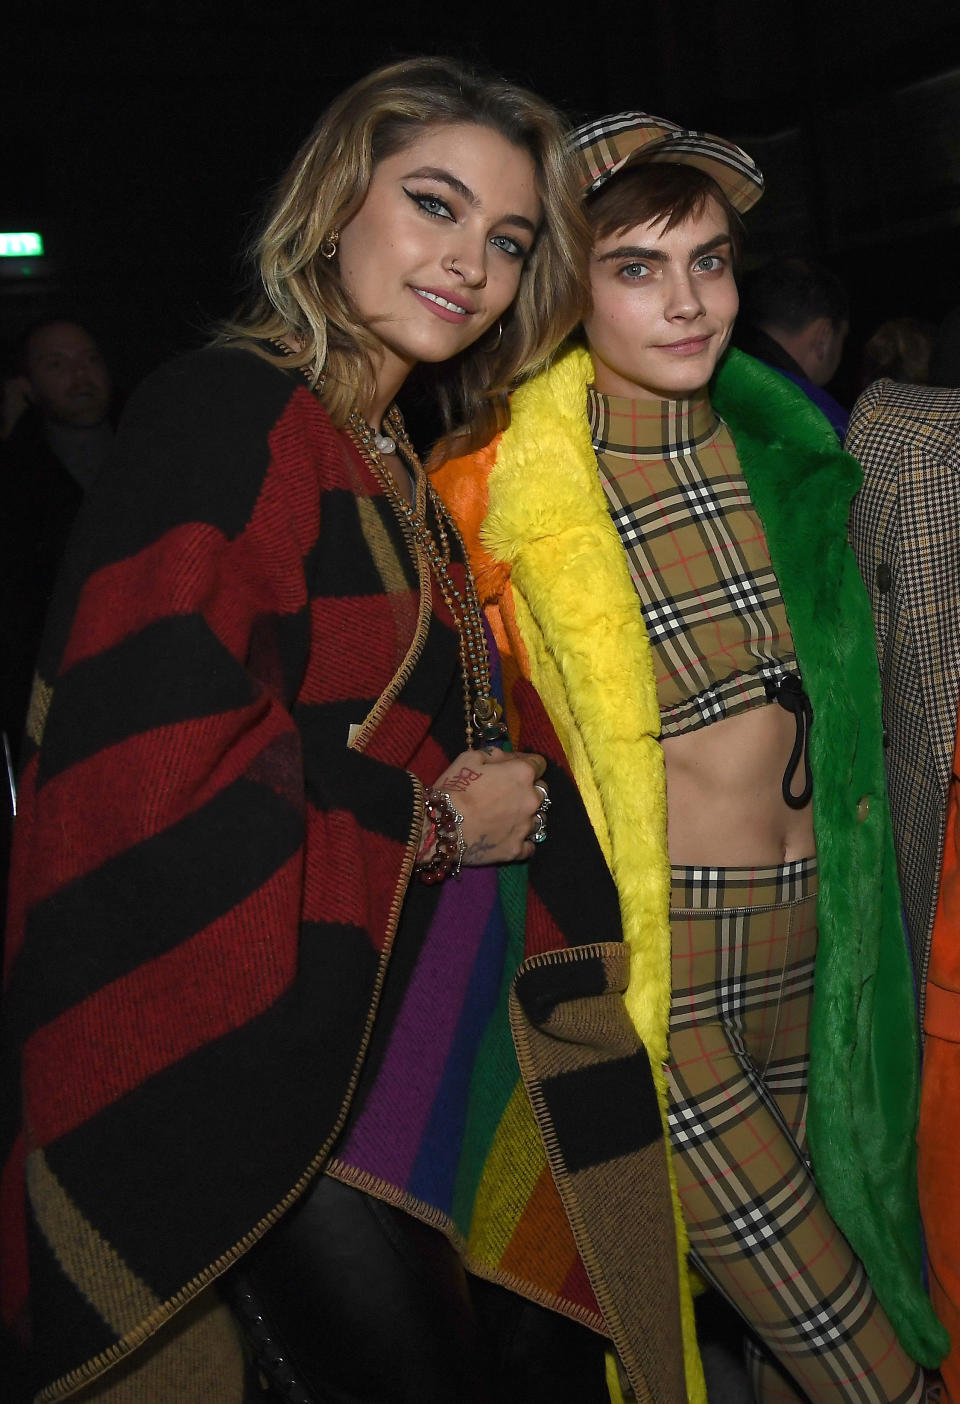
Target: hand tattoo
[{"x": 463, "y": 779}]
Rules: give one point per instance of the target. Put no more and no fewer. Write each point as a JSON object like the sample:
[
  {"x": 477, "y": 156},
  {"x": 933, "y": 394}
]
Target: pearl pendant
[{"x": 384, "y": 443}]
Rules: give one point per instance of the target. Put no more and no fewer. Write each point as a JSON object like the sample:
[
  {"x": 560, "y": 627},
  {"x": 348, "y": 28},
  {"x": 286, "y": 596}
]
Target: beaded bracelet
[{"x": 447, "y": 823}]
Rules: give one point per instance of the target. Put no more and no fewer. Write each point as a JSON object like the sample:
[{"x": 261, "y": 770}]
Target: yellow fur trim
[{"x": 580, "y": 620}]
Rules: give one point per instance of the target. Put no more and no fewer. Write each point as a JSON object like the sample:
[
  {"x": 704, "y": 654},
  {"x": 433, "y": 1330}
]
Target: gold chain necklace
[{"x": 483, "y": 713}]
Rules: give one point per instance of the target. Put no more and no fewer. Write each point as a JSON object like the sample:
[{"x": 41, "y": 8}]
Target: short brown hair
[{"x": 659, "y": 190}]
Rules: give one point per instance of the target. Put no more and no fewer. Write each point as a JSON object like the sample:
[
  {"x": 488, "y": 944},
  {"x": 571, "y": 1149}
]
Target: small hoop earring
[
  {"x": 328, "y": 249},
  {"x": 495, "y": 344}
]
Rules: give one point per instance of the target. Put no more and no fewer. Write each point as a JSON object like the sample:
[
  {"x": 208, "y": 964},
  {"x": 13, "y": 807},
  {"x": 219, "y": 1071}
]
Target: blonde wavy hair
[{"x": 301, "y": 297}]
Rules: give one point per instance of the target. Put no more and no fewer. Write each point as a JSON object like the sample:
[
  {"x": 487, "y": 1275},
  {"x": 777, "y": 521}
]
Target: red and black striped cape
[{"x": 208, "y": 880}]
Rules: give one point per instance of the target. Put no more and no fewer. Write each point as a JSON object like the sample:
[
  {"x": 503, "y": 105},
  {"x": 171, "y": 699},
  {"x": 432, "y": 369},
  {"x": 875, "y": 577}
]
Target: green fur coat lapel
[
  {"x": 800, "y": 481},
  {"x": 863, "y": 1066}
]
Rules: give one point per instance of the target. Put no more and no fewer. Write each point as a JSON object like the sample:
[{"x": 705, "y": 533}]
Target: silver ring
[
  {"x": 539, "y": 833},
  {"x": 546, "y": 802}
]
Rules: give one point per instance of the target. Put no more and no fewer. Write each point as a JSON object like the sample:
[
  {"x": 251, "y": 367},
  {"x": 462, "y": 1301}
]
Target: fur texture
[{"x": 577, "y": 619}]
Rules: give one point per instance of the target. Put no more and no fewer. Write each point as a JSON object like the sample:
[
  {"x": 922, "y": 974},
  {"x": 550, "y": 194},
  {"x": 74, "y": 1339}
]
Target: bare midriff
[{"x": 725, "y": 805}]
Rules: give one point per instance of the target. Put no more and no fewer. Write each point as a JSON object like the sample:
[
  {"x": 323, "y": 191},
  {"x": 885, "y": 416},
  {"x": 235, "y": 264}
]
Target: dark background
[{"x": 142, "y": 140}]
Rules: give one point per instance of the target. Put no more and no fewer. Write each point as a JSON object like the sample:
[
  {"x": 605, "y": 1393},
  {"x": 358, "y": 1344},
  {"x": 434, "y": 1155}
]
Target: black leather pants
[{"x": 367, "y": 1305}]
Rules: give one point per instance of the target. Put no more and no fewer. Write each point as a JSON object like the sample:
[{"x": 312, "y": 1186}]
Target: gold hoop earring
[{"x": 328, "y": 249}]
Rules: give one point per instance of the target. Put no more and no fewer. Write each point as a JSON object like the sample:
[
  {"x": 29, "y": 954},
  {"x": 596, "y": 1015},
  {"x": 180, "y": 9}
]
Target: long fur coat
[{"x": 554, "y": 577}]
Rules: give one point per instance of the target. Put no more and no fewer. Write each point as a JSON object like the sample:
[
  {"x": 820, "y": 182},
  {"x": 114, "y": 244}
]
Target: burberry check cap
[{"x": 602, "y": 148}]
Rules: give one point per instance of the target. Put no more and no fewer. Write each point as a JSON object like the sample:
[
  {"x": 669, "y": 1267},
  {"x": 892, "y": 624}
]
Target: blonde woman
[{"x": 264, "y": 743}]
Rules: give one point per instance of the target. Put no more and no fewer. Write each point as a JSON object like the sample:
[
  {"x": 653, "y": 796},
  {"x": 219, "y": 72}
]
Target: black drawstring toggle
[{"x": 788, "y": 691}]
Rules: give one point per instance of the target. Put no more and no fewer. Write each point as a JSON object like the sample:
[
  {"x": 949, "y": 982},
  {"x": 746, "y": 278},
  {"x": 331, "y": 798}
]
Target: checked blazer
[{"x": 904, "y": 531}]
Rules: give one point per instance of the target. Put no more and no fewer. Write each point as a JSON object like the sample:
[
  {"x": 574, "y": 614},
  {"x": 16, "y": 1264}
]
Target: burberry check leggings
[{"x": 744, "y": 942}]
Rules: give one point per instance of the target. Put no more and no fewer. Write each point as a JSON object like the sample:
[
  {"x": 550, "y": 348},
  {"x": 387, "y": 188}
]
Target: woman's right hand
[{"x": 495, "y": 792}]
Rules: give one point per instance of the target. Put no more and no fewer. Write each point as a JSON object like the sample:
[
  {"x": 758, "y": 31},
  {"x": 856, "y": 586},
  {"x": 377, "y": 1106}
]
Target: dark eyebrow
[
  {"x": 634, "y": 251},
  {"x": 717, "y": 242},
  {"x": 445, "y": 178},
  {"x": 657, "y": 255},
  {"x": 438, "y": 173}
]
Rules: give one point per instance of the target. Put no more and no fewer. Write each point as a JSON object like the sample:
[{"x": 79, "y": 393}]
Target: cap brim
[{"x": 612, "y": 144}]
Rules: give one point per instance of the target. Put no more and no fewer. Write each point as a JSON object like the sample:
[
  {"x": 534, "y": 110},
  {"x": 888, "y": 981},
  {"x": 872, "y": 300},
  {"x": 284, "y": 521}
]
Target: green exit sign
[{"x": 21, "y": 246}]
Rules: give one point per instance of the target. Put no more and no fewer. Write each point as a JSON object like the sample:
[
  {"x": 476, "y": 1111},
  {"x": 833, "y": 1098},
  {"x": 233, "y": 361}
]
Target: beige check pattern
[
  {"x": 744, "y": 943},
  {"x": 602, "y": 148},
  {"x": 697, "y": 556}
]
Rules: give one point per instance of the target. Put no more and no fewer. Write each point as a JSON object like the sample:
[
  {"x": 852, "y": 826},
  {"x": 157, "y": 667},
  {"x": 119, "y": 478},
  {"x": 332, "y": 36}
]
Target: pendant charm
[
  {"x": 384, "y": 444},
  {"x": 488, "y": 719}
]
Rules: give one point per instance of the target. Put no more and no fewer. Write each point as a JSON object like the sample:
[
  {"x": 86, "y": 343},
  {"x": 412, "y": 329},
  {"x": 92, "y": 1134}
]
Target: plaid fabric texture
[
  {"x": 903, "y": 529},
  {"x": 744, "y": 944},
  {"x": 697, "y": 555},
  {"x": 602, "y": 148}
]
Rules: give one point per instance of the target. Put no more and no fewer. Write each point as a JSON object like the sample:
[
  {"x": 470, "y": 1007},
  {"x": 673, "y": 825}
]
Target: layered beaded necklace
[{"x": 483, "y": 713}]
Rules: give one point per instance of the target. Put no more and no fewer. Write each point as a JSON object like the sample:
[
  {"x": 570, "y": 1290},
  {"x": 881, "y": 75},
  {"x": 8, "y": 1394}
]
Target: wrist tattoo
[{"x": 475, "y": 854}]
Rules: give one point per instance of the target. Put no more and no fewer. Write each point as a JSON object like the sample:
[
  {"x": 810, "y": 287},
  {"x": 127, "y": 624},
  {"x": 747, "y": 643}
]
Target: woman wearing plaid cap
[{"x": 660, "y": 539}]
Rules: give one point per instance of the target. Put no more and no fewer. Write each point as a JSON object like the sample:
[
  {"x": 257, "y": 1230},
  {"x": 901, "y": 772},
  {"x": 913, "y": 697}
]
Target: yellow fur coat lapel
[
  {"x": 579, "y": 616},
  {"x": 552, "y": 572}
]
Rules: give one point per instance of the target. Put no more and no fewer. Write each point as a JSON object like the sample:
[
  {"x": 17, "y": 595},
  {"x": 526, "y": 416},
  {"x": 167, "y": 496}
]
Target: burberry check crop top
[{"x": 698, "y": 557}]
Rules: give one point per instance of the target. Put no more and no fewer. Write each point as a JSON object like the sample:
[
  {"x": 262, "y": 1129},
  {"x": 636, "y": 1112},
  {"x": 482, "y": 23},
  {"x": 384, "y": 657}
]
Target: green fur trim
[
  {"x": 863, "y": 1065},
  {"x": 580, "y": 618}
]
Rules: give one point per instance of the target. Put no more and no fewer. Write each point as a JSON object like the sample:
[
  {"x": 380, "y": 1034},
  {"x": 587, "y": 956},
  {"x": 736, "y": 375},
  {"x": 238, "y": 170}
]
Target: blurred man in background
[
  {"x": 795, "y": 316},
  {"x": 55, "y": 435}
]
